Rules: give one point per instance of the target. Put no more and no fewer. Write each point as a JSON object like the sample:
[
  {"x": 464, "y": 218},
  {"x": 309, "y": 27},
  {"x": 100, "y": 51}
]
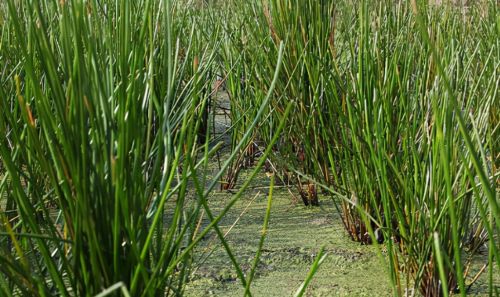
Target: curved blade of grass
[
  {"x": 314, "y": 268},
  {"x": 111, "y": 290},
  {"x": 262, "y": 238}
]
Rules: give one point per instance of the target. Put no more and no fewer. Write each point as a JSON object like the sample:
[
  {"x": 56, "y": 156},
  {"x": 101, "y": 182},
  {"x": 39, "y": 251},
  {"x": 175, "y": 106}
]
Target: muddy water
[{"x": 296, "y": 234}]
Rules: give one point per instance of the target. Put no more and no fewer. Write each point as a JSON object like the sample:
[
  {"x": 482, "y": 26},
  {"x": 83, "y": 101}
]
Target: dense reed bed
[
  {"x": 390, "y": 108},
  {"x": 104, "y": 111},
  {"x": 395, "y": 116}
]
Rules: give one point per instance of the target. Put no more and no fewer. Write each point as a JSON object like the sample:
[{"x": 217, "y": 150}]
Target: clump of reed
[
  {"x": 420, "y": 130},
  {"x": 105, "y": 156},
  {"x": 102, "y": 117},
  {"x": 235, "y": 68},
  {"x": 395, "y": 114},
  {"x": 306, "y": 28}
]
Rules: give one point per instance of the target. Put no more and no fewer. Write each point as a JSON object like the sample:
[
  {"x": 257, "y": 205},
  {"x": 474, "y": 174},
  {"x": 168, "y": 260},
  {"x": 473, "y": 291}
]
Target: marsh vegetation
[{"x": 118, "y": 176}]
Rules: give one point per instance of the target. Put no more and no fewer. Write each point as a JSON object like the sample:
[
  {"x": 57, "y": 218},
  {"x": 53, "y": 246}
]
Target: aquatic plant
[
  {"x": 306, "y": 28},
  {"x": 389, "y": 107},
  {"x": 394, "y": 113},
  {"x": 103, "y": 106}
]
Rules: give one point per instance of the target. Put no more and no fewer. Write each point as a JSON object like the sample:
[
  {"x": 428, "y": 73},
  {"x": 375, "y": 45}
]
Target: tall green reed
[
  {"x": 410, "y": 161},
  {"x": 400, "y": 126},
  {"x": 306, "y": 28},
  {"x": 107, "y": 119},
  {"x": 103, "y": 124},
  {"x": 236, "y": 67}
]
